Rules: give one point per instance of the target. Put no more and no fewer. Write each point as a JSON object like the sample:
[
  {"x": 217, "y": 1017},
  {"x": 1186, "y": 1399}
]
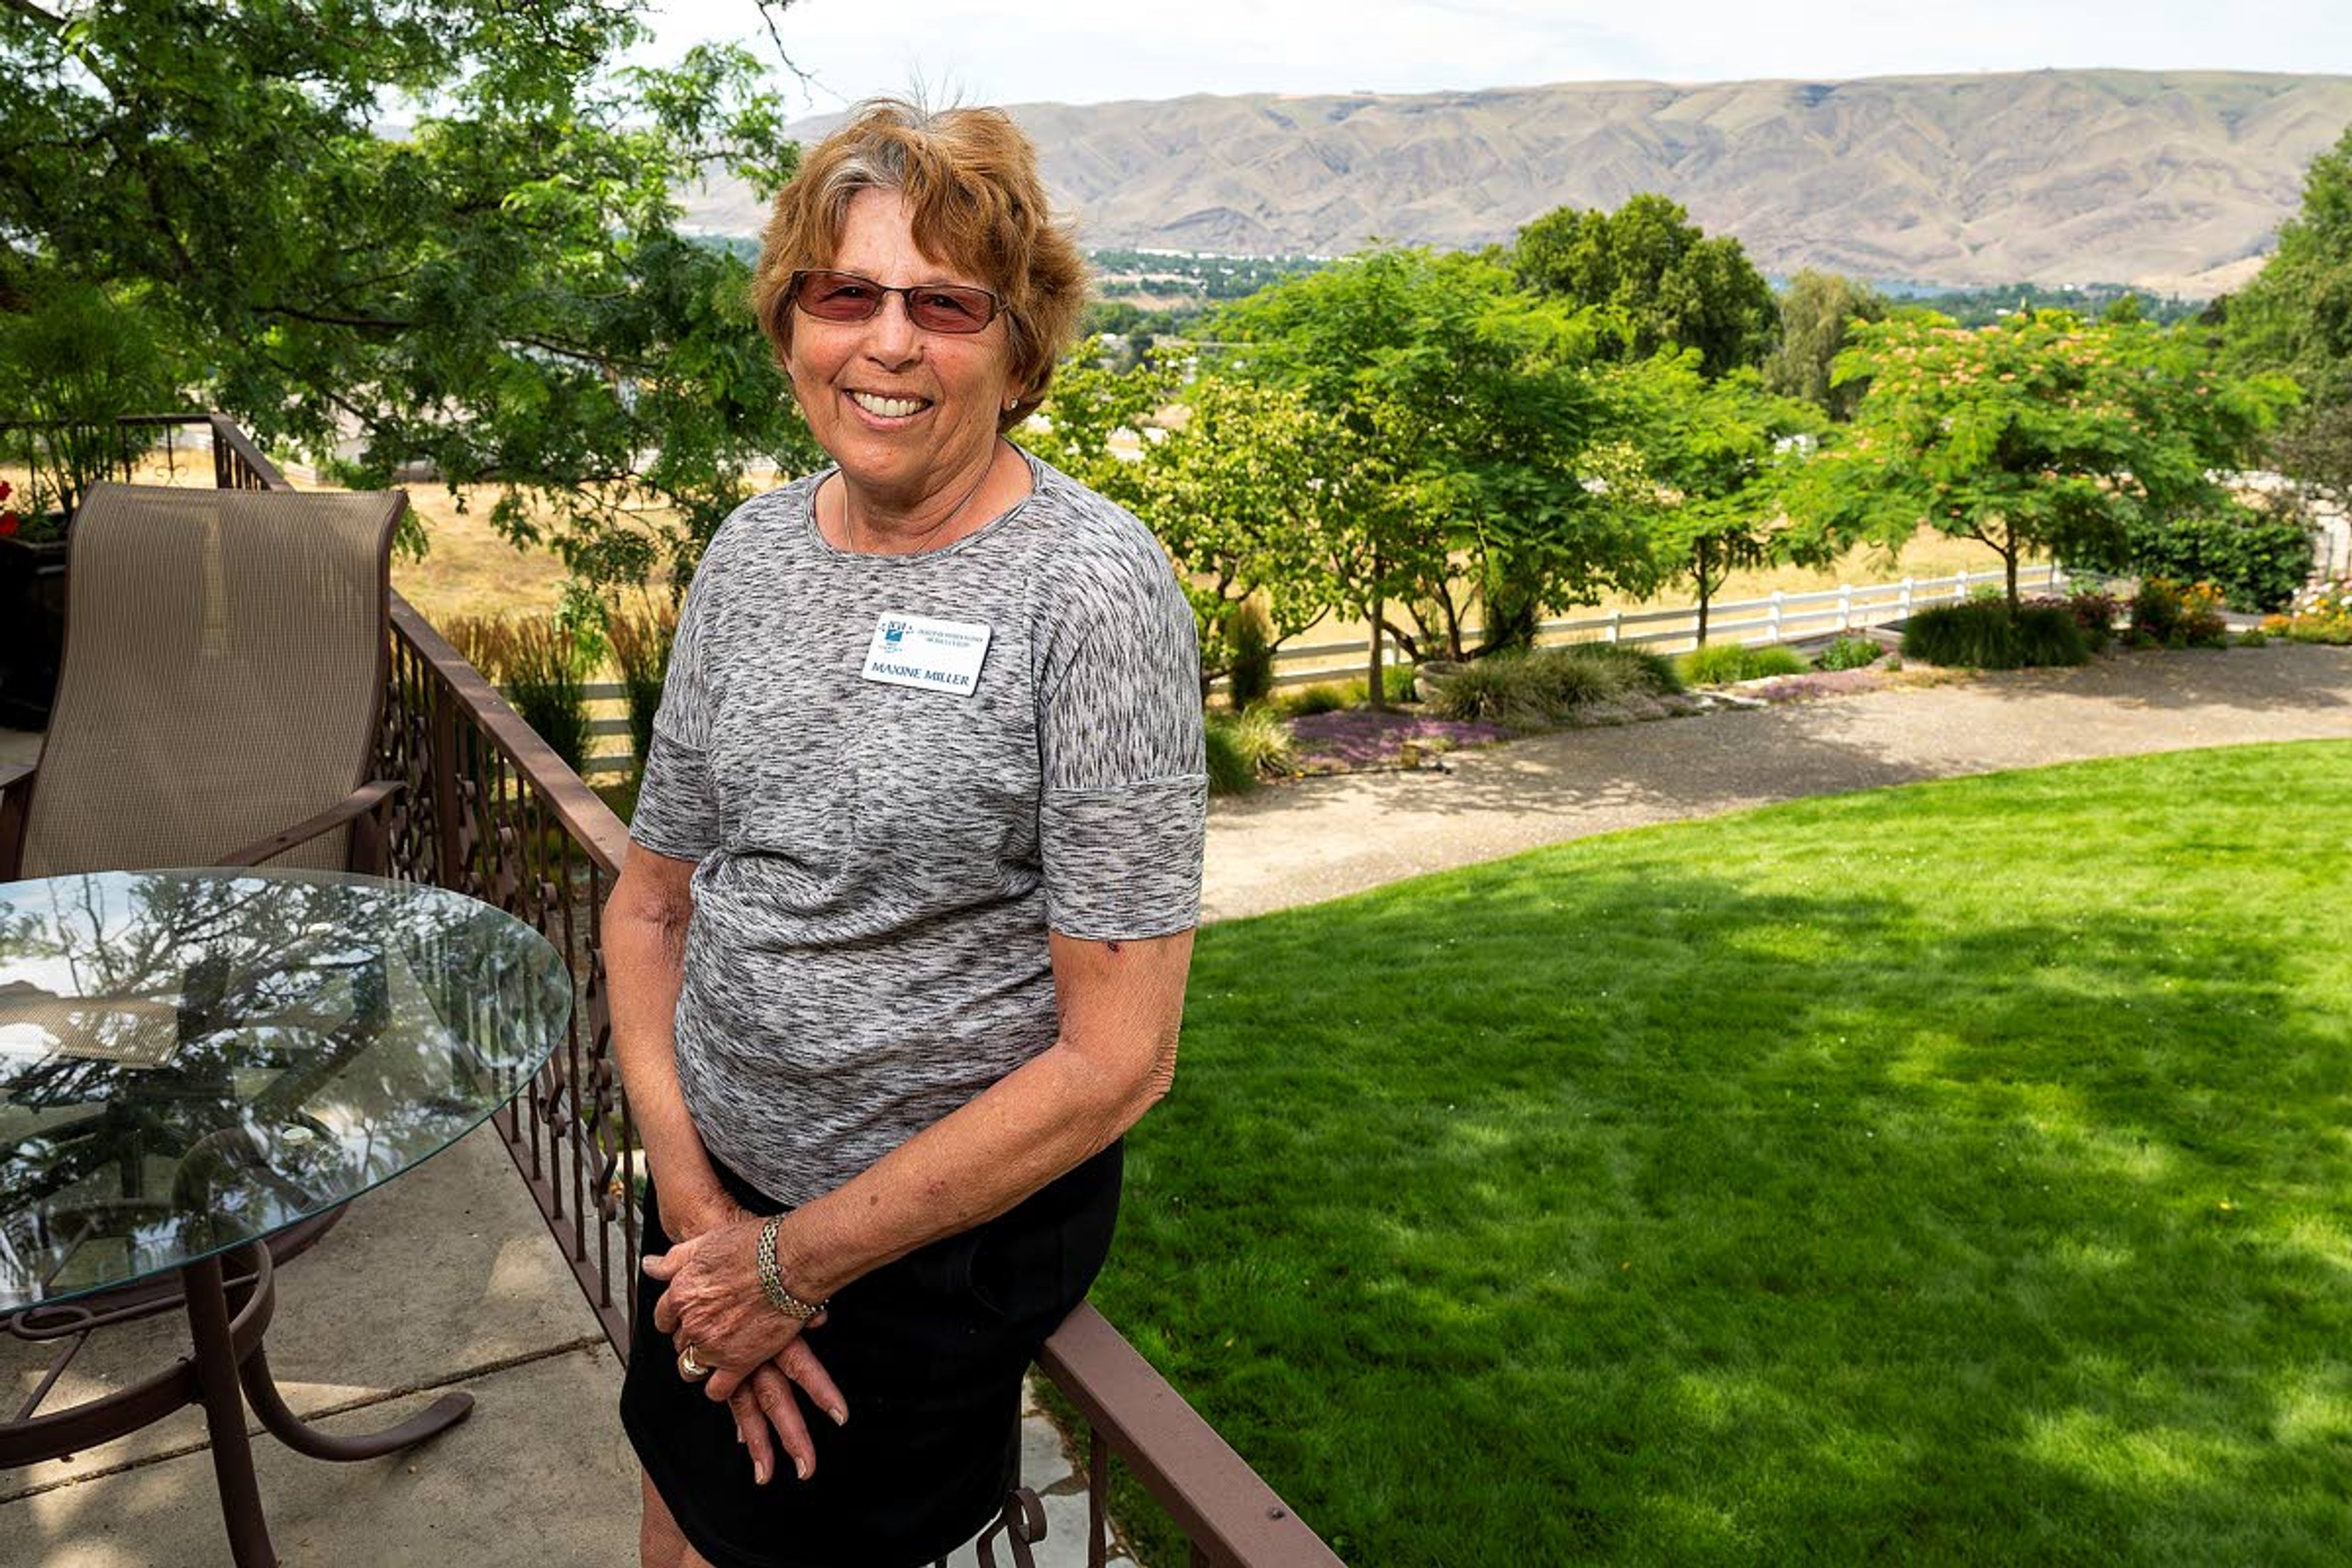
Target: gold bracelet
[{"x": 771, "y": 1283}]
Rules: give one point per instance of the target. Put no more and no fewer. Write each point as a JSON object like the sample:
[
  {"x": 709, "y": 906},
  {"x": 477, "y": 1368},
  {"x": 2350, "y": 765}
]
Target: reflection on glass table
[{"x": 193, "y": 1060}]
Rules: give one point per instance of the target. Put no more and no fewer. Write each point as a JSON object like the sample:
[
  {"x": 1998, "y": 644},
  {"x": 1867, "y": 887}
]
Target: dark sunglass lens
[
  {"x": 837, "y": 297},
  {"x": 950, "y": 310}
]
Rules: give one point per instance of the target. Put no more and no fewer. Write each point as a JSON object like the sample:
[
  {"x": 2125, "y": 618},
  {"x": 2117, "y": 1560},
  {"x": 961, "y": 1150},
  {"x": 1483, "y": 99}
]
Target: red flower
[
  {"x": 8, "y": 520},
  {"x": 6, "y": 490}
]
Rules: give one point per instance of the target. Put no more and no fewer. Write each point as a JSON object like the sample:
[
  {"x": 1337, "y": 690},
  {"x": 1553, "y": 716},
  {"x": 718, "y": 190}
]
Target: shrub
[
  {"x": 1526, "y": 690},
  {"x": 1981, "y": 634},
  {"x": 2049, "y": 635},
  {"x": 1654, "y": 672},
  {"x": 2093, "y": 612},
  {"x": 2180, "y": 617},
  {"x": 1328, "y": 697},
  {"x": 2257, "y": 556},
  {"x": 2254, "y": 636},
  {"x": 1251, "y": 679},
  {"x": 1849, "y": 653},
  {"x": 1245, "y": 747},
  {"x": 1721, "y": 664},
  {"x": 641, "y": 645},
  {"x": 1397, "y": 682}
]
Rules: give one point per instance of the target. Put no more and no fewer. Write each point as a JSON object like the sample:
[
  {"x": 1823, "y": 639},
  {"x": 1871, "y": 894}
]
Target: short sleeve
[
  {"x": 676, "y": 812},
  {"x": 1125, "y": 797}
]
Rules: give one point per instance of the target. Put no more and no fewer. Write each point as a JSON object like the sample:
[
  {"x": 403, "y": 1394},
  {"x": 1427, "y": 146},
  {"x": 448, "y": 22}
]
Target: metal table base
[{"x": 227, "y": 1369}]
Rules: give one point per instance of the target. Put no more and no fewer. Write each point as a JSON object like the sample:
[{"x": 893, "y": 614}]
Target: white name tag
[{"x": 933, "y": 656}]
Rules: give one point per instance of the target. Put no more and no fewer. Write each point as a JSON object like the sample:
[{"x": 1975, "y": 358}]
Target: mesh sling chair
[
  {"x": 217, "y": 704},
  {"x": 224, "y": 669}
]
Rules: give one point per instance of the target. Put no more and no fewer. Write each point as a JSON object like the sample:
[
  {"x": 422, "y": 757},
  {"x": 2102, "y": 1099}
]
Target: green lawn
[{"x": 1959, "y": 1174}]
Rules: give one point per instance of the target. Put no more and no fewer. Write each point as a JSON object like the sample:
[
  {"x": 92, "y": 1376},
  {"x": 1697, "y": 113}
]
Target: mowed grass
[{"x": 1957, "y": 1174}]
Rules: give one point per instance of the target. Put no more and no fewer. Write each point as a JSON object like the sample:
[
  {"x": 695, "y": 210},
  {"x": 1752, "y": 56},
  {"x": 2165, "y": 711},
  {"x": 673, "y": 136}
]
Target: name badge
[{"x": 931, "y": 656}]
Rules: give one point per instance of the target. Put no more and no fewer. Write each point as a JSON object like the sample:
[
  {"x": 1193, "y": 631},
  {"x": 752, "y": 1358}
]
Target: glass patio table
[{"x": 194, "y": 1061}]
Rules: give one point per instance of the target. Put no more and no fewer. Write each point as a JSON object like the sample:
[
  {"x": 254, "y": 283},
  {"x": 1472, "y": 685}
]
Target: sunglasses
[{"x": 934, "y": 306}]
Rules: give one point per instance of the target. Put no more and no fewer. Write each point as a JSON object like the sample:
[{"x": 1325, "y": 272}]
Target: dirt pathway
[{"x": 1320, "y": 839}]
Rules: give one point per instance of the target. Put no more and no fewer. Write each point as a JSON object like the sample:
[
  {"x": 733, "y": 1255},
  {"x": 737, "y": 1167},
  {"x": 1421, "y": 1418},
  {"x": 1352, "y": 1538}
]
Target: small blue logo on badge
[{"x": 894, "y": 632}]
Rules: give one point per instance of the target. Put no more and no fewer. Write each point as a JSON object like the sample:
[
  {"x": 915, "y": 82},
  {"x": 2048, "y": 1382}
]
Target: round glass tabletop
[{"x": 190, "y": 1059}]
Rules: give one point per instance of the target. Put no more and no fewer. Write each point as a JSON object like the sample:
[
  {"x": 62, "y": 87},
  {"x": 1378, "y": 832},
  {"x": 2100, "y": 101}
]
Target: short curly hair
[{"x": 970, "y": 179}]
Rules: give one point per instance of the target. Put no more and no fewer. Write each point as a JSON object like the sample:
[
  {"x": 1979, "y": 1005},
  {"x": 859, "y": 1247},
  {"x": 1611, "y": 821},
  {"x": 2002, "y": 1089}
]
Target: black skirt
[{"x": 929, "y": 1352}]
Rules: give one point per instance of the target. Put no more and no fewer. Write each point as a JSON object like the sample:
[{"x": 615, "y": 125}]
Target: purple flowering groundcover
[{"x": 1358, "y": 737}]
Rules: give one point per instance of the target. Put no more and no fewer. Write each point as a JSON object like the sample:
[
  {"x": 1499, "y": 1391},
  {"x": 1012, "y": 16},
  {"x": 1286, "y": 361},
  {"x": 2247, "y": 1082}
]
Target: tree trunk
[
  {"x": 1705, "y": 591},
  {"x": 2009, "y": 561},
  {"x": 1375, "y": 688}
]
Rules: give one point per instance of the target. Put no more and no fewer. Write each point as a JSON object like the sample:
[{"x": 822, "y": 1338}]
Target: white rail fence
[{"x": 1777, "y": 617}]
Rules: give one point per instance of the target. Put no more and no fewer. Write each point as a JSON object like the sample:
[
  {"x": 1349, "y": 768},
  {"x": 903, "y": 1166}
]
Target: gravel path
[{"x": 1320, "y": 839}]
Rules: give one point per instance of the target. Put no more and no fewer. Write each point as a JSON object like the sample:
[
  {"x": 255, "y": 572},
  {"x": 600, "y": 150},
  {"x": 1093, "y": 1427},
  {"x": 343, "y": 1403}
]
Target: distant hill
[{"x": 2172, "y": 180}]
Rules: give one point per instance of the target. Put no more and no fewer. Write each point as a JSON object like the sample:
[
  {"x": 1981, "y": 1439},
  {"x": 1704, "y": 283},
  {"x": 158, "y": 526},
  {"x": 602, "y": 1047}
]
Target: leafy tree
[
  {"x": 499, "y": 291},
  {"x": 1242, "y": 489},
  {"x": 1707, "y": 463},
  {"x": 2037, "y": 434},
  {"x": 1471, "y": 413},
  {"x": 1817, "y": 311},
  {"x": 2297, "y": 316},
  {"x": 1660, "y": 280}
]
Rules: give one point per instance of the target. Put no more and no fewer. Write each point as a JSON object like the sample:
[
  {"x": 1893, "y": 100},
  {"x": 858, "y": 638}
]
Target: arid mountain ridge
[{"x": 2173, "y": 181}]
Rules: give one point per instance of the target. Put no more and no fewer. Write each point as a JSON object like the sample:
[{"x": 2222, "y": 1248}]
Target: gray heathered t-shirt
[{"x": 877, "y": 864}]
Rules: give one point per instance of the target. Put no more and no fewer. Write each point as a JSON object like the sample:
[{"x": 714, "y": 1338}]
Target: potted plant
[{"x": 72, "y": 366}]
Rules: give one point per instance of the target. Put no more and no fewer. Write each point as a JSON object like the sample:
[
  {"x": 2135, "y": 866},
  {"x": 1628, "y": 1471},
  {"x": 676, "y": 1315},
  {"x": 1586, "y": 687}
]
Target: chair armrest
[
  {"x": 15, "y": 797},
  {"x": 357, "y": 803}
]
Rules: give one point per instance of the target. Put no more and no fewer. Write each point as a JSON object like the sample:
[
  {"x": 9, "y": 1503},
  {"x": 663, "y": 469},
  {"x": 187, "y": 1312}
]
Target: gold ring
[{"x": 690, "y": 1367}]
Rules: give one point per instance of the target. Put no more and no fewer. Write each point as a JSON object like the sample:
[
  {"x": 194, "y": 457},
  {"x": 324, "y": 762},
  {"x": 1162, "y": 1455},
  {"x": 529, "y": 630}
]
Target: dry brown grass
[{"x": 468, "y": 568}]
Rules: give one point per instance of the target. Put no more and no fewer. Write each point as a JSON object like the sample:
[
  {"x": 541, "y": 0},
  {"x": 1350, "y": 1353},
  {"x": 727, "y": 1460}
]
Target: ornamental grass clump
[
  {"x": 538, "y": 663},
  {"x": 1326, "y": 697},
  {"x": 641, "y": 645},
  {"x": 547, "y": 682},
  {"x": 1546, "y": 686},
  {"x": 1723, "y": 664},
  {"x": 1245, "y": 749},
  {"x": 1983, "y": 633},
  {"x": 1251, "y": 680}
]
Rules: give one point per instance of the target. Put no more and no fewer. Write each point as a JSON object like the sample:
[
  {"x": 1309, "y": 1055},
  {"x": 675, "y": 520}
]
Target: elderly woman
[{"x": 899, "y": 951}]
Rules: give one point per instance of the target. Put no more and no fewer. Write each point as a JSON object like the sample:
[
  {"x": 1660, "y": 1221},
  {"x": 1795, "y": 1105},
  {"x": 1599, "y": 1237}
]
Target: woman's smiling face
[{"x": 907, "y": 412}]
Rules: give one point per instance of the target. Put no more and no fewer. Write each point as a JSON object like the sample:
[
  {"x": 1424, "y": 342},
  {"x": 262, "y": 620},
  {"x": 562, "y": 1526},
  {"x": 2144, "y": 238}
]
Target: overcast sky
[{"x": 1087, "y": 53}]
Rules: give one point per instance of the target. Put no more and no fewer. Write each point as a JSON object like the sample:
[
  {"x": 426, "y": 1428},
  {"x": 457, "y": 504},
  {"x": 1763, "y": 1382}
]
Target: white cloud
[{"x": 1059, "y": 49}]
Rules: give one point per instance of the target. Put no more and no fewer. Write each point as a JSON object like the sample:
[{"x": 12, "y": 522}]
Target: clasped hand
[{"x": 712, "y": 1301}]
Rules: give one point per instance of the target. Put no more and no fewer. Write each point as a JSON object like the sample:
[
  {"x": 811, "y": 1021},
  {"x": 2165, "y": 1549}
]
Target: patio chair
[
  {"x": 218, "y": 696},
  {"x": 217, "y": 705}
]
